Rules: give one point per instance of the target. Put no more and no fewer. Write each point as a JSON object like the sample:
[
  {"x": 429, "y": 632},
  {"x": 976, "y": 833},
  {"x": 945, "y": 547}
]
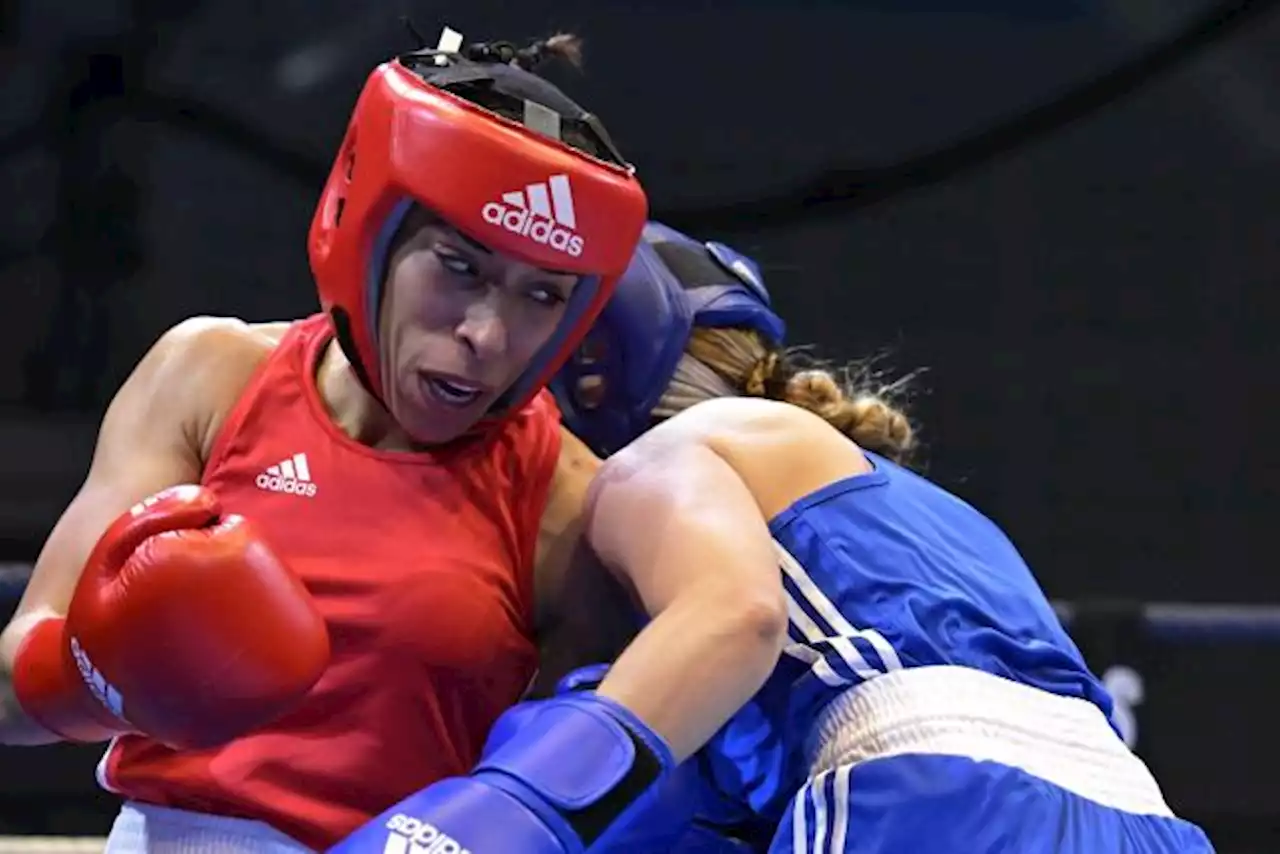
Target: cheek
[
  {"x": 415, "y": 304},
  {"x": 537, "y": 327}
]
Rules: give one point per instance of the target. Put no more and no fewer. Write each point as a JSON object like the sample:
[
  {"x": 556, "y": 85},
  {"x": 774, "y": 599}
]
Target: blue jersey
[{"x": 886, "y": 571}]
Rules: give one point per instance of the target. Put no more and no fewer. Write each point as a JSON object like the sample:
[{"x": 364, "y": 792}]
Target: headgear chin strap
[
  {"x": 515, "y": 188},
  {"x": 673, "y": 284}
]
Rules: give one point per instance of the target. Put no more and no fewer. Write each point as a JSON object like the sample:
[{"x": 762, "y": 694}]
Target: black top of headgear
[{"x": 492, "y": 78}]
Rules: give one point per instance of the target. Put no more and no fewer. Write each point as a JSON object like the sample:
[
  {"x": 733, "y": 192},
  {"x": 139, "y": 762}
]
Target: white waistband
[
  {"x": 956, "y": 711},
  {"x": 149, "y": 829}
]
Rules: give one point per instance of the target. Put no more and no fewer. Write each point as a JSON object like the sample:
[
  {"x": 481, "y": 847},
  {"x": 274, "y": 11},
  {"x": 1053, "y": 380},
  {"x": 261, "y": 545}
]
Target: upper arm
[
  {"x": 669, "y": 515},
  {"x": 154, "y": 435},
  {"x": 561, "y": 525}
]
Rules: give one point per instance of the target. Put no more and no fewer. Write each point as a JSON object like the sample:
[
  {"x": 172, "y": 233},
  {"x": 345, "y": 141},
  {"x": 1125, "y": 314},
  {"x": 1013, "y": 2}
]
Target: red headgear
[{"x": 511, "y": 188}]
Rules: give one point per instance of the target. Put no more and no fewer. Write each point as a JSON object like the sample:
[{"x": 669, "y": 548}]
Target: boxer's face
[{"x": 459, "y": 325}]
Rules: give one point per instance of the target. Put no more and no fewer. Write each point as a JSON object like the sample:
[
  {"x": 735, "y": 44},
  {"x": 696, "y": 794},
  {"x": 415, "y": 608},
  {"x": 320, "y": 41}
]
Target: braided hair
[
  {"x": 501, "y": 77},
  {"x": 564, "y": 47}
]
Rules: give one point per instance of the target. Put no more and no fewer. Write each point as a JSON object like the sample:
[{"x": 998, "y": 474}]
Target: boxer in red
[{"x": 348, "y": 532}]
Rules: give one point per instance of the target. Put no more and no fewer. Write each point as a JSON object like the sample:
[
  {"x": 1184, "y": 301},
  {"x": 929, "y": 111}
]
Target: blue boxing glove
[
  {"x": 665, "y": 822},
  {"x": 662, "y": 820},
  {"x": 557, "y": 776},
  {"x": 704, "y": 840},
  {"x": 583, "y": 679}
]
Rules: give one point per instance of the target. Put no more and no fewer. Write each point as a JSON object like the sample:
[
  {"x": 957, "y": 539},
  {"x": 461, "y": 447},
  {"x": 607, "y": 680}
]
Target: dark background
[{"x": 1094, "y": 302}]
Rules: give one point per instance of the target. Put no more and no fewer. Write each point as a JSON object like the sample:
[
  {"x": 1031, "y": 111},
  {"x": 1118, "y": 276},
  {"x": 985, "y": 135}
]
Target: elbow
[
  {"x": 756, "y": 617},
  {"x": 751, "y": 620},
  {"x": 766, "y": 618}
]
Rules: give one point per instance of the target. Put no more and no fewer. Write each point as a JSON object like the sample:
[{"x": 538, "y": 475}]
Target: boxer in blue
[{"x": 919, "y": 694}]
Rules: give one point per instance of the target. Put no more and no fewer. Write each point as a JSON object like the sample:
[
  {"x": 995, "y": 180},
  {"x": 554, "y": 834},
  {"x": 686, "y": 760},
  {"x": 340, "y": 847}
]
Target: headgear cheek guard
[
  {"x": 513, "y": 189},
  {"x": 674, "y": 284}
]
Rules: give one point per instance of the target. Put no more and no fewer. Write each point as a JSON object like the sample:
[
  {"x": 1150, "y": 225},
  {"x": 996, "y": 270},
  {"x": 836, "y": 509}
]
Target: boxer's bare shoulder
[
  {"x": 269, "y": 333},
  {"x": 227, "y": 340},
  {"x": 204, "y": 364},
  {"x": 155, "y": 434},
  {"x": 781, "y": 451}
]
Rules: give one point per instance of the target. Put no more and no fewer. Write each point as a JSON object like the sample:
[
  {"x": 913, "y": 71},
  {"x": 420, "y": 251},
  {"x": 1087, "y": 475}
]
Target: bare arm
[
  {"x": 679, "y": 527},
  {"x": 153, "y": 436},
  {"x": 585, "y": 616}
]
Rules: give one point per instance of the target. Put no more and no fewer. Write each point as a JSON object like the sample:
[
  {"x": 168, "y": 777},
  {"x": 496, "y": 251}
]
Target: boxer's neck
[{"x": 356, "y": 412}]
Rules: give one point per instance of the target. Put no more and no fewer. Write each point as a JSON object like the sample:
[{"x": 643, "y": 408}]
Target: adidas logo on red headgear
[{"x": 542, "y": 212}]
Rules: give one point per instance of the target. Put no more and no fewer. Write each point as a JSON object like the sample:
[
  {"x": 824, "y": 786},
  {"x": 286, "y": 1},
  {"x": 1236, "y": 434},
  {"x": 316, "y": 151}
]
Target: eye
[
  {"x": 455, "y": 263},
  {"x": 547, "y": 295}
]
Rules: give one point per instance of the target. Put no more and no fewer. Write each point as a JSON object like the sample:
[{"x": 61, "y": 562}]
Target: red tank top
[{"x": 422, "y": 566}]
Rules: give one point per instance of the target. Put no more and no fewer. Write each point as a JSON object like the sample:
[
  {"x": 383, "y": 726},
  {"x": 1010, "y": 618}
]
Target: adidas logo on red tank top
[
  {"x": 291, "y": 476},
  {"x": 542, "y": 212}
]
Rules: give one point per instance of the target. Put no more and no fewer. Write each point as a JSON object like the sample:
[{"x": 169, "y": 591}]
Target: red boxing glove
[{"x": 184, "y": 627}]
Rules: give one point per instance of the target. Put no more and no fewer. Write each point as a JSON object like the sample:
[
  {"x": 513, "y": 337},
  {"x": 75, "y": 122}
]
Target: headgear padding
[
  {"x": 673, "y": 284},
  {"x": 510, "y": 187}
]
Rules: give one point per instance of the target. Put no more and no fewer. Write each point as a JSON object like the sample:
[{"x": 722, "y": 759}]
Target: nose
[{"x": 483, "y": 328}]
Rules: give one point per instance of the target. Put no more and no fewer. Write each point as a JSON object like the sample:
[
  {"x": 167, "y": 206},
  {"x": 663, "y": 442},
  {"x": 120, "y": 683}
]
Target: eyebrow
[{"x": 480, "y": 247}]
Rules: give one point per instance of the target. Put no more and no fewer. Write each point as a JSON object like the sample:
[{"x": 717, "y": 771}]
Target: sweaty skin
[{"x": 680, "y": 519}]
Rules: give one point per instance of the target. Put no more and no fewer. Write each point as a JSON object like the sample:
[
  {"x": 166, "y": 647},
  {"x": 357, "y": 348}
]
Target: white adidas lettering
[
  {"x": 292, "y": 476},
  {"x": 104, "y": 691},
  {"x": 542, "y": 212},
  {"x": 144, "y": 505},
  {"x": 414, "y": 836},
  {"x": 187, "y": 492}
]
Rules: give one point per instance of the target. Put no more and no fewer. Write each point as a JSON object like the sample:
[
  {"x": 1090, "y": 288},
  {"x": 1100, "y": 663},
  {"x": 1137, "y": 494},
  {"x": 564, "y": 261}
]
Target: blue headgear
[{"x": 674, "y": 284}]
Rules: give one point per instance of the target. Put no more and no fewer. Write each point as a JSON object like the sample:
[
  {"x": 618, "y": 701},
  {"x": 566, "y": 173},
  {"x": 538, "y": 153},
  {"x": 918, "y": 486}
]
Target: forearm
[
  {"x": 703, "y": 566},
  {"x": 699, "y": 661}
]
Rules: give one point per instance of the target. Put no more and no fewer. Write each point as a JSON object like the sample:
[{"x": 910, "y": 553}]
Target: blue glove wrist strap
[{"x": 583, "y": 755}]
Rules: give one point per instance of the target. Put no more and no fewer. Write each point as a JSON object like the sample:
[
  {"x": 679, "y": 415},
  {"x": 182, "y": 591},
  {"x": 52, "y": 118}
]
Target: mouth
[{"x": 450, "y": 390}]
